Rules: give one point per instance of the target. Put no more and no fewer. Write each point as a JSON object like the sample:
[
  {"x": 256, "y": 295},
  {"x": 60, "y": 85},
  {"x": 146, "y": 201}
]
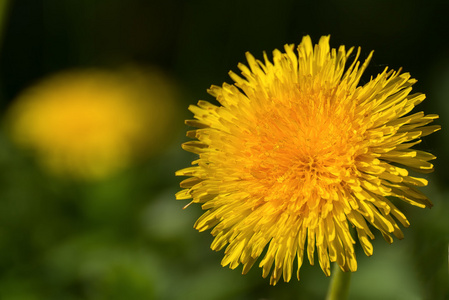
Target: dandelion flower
[
  {"x": 297, "y": 151},
  {"x": 92, "y": 123}
]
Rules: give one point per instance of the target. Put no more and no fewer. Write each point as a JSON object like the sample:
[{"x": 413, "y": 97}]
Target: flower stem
[{"x": 339, "y": 286}]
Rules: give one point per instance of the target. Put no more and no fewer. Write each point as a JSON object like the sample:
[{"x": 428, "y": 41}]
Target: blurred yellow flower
[
  {"x": 297, "y": 151},
  {"x": 92, "y": 123}
]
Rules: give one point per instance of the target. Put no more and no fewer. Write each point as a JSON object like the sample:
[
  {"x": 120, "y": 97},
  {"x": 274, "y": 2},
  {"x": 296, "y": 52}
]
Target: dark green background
[{"x": 127, "y": 237}]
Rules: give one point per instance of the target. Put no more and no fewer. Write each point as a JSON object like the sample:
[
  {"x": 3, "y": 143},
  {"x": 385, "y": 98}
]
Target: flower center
[{"x": 307, "y": 159}]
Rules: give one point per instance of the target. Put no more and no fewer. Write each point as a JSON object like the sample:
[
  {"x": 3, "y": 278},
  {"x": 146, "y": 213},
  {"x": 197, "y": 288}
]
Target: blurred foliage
[{"x": 125, "y": 237}]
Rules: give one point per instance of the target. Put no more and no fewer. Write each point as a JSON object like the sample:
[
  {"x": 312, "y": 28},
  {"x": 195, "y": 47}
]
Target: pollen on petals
[{"x": 299, "y": 159}]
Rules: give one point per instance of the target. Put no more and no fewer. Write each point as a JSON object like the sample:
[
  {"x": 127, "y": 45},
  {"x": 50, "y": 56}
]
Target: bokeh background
[{"x": 119, "y": 233}]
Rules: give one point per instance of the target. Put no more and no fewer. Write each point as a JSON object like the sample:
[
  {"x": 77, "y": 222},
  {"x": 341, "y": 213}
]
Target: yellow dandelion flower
[
  {"x": 92, "y": 123},
  {"x": 299, "y": 151}
]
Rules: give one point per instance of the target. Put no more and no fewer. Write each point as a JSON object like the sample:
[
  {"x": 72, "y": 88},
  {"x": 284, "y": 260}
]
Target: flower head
[
  {"x": 297, "y": 151},
  {"x": 92, "y": 123}
]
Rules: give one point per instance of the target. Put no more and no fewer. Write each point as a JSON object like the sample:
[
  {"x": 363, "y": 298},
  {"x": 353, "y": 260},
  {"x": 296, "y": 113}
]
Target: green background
[{"x": 126, "y": 237}]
